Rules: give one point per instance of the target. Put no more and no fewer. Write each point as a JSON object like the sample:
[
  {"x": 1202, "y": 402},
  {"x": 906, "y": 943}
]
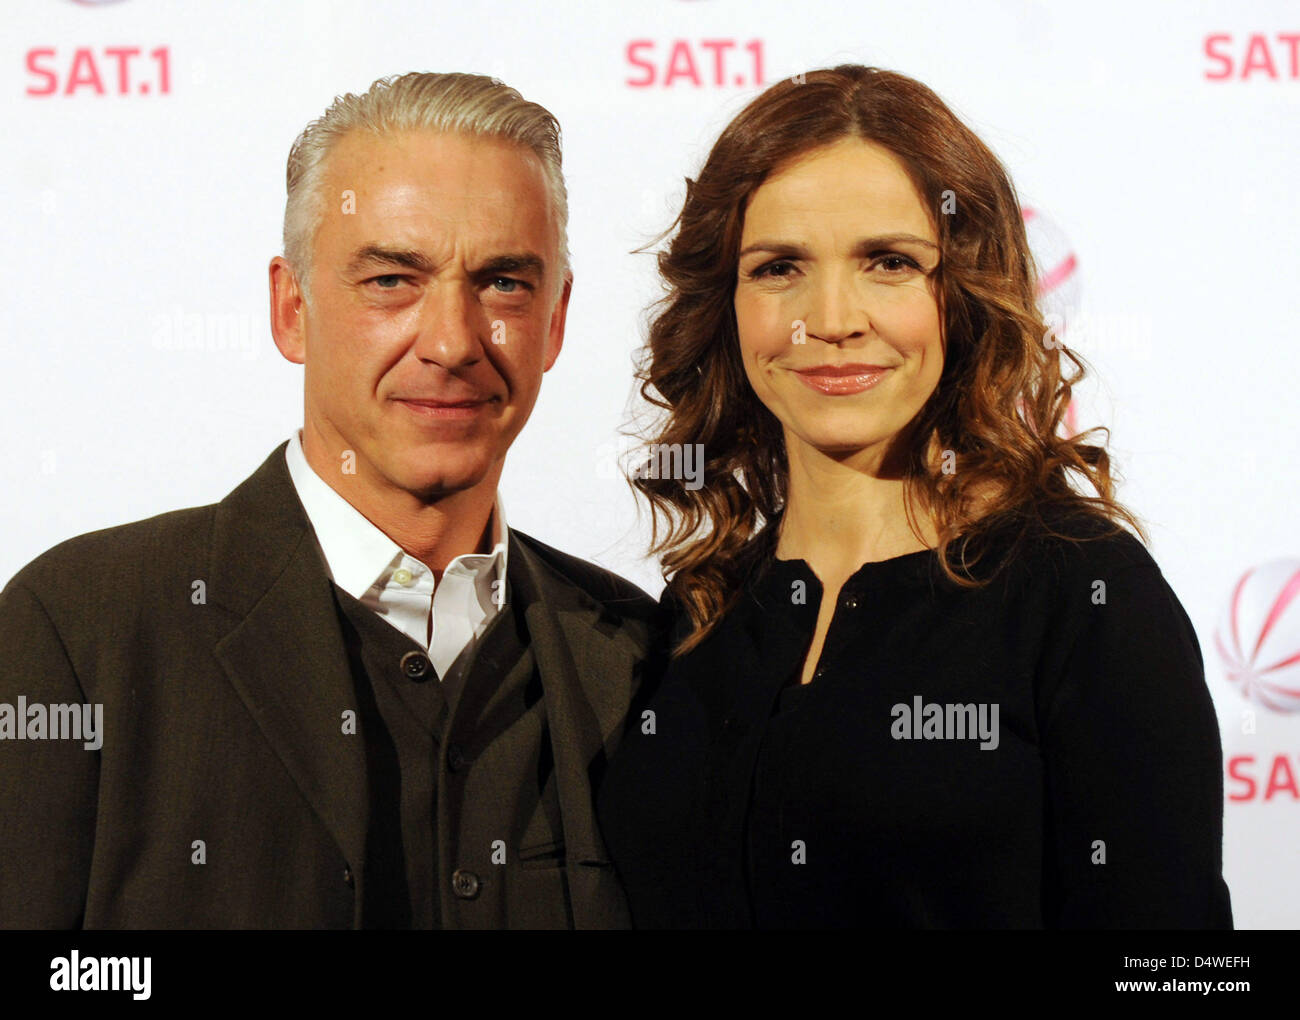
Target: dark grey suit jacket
[{"x": 210, "y": 637}]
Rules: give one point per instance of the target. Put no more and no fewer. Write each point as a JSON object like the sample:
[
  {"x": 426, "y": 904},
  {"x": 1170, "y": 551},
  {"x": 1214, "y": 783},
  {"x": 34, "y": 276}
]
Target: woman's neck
[{"x": 841, "y": 513}]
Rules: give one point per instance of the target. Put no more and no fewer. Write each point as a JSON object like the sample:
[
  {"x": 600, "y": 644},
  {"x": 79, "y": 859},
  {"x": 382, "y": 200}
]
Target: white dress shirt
[{"x": 372, "y": 568}]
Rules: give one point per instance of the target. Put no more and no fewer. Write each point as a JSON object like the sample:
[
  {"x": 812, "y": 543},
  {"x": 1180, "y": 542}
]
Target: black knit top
[{"x": 1038, "y": 752}]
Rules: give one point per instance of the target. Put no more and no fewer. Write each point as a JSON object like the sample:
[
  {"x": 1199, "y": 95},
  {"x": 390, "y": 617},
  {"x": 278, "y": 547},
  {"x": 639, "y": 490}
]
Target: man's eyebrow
[
  {"x": 521, "y": 262},
  {"x": 865, "y": 246},
  {"x": 372, "y": 255}
]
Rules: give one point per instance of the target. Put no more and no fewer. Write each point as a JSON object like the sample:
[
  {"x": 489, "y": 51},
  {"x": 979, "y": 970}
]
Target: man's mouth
[{"x": 435, "y": 409}]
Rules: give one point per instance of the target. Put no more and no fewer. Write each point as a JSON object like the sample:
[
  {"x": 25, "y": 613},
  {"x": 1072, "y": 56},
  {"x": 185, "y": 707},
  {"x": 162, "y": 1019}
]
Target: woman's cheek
[
  {"x": 765, "y": 326},
  {"x": 915, "y": 310}
]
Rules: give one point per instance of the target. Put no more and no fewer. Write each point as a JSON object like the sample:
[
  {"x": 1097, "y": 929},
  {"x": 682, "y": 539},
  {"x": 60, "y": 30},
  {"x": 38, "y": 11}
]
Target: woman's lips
[{"x": 839, "y": 382}]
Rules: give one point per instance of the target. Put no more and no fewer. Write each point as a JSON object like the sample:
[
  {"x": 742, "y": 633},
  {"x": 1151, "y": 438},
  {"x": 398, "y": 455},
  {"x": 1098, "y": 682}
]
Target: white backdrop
[{"x": 1159, "y": 144}]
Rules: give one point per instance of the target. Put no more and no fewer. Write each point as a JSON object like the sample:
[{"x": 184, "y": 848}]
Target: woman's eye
[
  {"x": 893, "y": 265},
  {"x": 771, "y": 270},
  {"x": 896, "y": 263}
]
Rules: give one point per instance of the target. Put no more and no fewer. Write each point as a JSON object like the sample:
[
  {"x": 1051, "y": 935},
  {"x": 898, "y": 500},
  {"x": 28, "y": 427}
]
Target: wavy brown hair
[{"x": 1000, "y": 400}]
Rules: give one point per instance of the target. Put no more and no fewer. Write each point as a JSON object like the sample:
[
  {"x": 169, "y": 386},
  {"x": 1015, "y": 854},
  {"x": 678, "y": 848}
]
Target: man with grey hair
[{"x": 347, "y": 695}]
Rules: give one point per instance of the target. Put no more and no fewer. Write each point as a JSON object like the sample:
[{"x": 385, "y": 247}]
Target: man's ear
[
  {"x": 555, "y": 335},
  {"x": 288, "y": 310}
]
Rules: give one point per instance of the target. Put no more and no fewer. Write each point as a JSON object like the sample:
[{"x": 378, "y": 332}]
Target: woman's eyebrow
[{"x": 863, "y": 247}]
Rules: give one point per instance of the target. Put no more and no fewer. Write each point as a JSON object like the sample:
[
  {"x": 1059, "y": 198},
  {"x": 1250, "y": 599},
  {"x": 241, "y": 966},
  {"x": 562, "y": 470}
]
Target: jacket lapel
[
  {"x": 588, "y": 662},
  {"x": 285, "y": 656}
]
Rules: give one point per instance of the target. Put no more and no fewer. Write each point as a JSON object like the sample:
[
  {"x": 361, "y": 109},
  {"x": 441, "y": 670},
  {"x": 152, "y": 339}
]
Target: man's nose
[
  {"x": 450, "y": 324},
  {"x": 837, "y": 311}
]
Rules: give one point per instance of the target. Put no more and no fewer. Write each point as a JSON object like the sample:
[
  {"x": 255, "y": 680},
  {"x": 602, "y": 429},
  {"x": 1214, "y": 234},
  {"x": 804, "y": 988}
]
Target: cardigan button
[
  {"x": 849, "y": 602},
  {"x": 465, "y": 884},
  {"x": 348, "y": 880},
  {"x": 415, "y": 666}
]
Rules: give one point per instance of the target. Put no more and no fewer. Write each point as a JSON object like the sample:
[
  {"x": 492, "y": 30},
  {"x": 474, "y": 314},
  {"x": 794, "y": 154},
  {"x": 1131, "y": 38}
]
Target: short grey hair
[{"x": 471, "y": 104}]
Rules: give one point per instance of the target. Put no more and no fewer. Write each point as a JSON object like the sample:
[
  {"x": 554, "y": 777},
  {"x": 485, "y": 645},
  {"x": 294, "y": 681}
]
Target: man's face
[{"x": 435, "y": 307}]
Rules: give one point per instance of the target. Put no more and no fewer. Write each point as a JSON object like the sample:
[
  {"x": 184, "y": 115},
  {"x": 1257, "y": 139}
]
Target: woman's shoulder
[
  {"x": 1055, "y": 562},
  {"x": 1083, "y": 573},
  {"x": 1070, "y": 541}
]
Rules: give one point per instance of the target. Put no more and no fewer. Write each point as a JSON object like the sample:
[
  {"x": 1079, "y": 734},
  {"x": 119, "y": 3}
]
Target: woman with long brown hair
[{"x": 918, "y": 678}]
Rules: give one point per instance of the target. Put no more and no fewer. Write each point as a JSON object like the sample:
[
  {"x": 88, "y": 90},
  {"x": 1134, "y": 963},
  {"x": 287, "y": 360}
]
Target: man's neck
[{"x": 434, "y": 533}]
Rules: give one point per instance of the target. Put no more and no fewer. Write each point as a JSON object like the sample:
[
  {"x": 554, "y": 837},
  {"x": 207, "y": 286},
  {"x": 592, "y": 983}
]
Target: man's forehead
[
  {"x": 375, "y": 153},
  {"x": 393, "y": 191},
  {"x": 409, "y": 178}
]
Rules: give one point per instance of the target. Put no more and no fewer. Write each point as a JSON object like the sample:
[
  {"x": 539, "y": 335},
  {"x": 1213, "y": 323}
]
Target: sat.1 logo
[{"x": 1258, "y": 643}]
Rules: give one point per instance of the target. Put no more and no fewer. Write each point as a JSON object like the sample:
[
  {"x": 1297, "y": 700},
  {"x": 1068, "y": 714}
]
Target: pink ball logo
[
  {"x": 1058, "y": 286},
  {"x": 1258, "y": 639},
  {"x": 1058, "y": 268}
]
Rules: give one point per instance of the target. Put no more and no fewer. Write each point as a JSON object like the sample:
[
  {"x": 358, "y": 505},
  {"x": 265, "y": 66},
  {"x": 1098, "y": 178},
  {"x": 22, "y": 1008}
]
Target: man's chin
[
  {"x": 434, "y": 492},
  {"x": 434, "y": 483}
]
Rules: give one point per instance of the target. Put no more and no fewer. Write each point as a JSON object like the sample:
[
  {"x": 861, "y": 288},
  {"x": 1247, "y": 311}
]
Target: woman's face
[{"x": 835, "y": 304}]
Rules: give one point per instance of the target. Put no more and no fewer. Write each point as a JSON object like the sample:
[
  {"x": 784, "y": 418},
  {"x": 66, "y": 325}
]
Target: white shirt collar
[{"x": 358, "y": 556}]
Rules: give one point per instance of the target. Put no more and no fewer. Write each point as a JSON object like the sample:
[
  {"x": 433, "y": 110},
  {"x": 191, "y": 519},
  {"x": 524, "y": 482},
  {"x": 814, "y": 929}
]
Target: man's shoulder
[
  {"x": 132, "y": 554},
  {"x": 613, "y": 591},
  {"x": 131, "y": 561}
]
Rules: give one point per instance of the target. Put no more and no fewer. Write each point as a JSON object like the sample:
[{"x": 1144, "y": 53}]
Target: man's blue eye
[
  {"x": 512, "y": 284},
  {"x": 383, "y": 286}
]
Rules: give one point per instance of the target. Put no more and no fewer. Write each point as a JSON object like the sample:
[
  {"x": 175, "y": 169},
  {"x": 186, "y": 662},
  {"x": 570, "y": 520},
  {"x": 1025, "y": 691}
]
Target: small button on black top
[
  {"x": 455, "y": 758},
  {"x": 347, "y": 877},
  {"x": 415, "y": 666},
  {"x": 465, "y": 884},
  {"x": 849, "y": 602}
]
